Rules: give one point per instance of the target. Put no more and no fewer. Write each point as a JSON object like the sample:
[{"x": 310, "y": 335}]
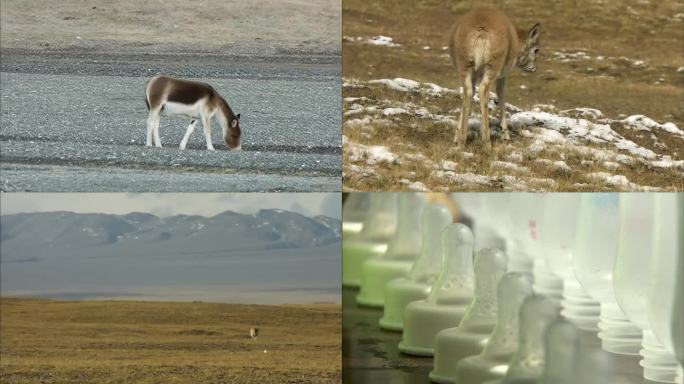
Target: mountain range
[{"x": 80, "y": 253}]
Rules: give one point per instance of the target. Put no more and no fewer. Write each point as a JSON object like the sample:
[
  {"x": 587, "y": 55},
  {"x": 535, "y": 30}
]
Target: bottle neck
[
  {"x": 578, "y": 307},
  {"x": 618, "y": 335},
  {"x": 659, "y": 364}
]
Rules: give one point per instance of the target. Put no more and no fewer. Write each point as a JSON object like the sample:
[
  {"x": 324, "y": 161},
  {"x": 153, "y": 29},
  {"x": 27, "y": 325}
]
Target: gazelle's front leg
[
  {"x": 206, "y": 124},
  {"x": 461, "y": 135},
  {"x": 500, "y": 84},
  {"x": 191, "y": 128}
]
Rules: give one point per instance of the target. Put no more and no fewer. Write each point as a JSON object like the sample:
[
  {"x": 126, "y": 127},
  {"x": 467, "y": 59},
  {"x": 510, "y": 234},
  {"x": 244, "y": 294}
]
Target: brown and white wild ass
[{"x": 195, "y": 100}]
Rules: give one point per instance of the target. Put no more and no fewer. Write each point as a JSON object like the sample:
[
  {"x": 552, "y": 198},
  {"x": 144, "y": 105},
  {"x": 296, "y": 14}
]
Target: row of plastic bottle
[{"x": 510, "y": 300}]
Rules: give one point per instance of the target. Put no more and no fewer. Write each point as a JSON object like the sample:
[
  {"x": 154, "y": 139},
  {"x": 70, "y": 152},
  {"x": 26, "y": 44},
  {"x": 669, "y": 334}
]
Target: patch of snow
[
  {"x": 639, "y": 121},
  {"x": 561, "y": 166},
  {"x": 415, "y": 186},
  {"x": 448, "y": 165},
  {"x": 382, "y": 40},
  {"x": 394, "y": 111},
  {"x": 362, "y": 171},
  {"x": 579, "y": 128},
  {"x": 371, "y": 154},
  {"x": 515, "y": 157},
  {"x": 611, "y": 165},
  {"x": 398, "y": 84}
]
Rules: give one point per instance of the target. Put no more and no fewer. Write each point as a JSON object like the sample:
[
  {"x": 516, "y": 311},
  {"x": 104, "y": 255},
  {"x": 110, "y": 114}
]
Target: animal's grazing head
[
  {"x": 234, "y": 133},
  {"x": 530, "y": 48}
]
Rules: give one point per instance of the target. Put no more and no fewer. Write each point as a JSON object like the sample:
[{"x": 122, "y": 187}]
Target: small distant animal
[
  {"x": 254, "y": 333},
  {"x": 485, "y": 46},
  {"x": 192, "y": 99}
]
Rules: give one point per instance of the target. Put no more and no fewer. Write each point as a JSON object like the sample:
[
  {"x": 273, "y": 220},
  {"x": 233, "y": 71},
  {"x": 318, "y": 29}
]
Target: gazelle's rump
[
  {"x": 485, "y": 47},
  {"x": 193, "y": 99}
]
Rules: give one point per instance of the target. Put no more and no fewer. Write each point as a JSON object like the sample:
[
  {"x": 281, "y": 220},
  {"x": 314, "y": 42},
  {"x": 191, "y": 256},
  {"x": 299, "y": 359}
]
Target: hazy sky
[{"x": 167, "y": 204}]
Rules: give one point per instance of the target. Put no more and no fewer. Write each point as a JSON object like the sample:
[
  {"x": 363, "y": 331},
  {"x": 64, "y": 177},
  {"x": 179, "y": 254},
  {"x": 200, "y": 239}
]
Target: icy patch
[
  {"x": 382, "y": 40},
  {"x": 561, "y": 166},
  {"x": 371, "y": 154},
  {"x": 551, "y": 136},
  {"x": 394, "y": 111},
  {"x": 399, "y": 84},
  {"x": 579, "y": 128},
  {"x": 448, "y": 165},
  {"x": 362, "y": 171},
  {"x": 620, "y": 181},
  {"x": 611, "y": 165},
  {"x": 586, "y": 113},
  {"x": 641, "y": 121},
  {"x": 508, "y": 166},
  {"x": 415, "y": 186}
]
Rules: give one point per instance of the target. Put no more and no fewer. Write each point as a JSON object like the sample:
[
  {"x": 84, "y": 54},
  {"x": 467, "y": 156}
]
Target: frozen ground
[{"x": 397, "y": 135}]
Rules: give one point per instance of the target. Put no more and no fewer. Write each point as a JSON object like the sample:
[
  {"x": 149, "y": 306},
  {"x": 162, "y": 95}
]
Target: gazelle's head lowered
[{"x": 529, "y": 41}]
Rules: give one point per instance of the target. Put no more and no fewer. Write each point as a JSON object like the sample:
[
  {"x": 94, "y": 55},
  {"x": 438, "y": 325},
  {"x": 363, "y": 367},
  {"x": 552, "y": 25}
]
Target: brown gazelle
[
  {"x": 195, "y": 100},
  {"x": 485, "y": 47}
]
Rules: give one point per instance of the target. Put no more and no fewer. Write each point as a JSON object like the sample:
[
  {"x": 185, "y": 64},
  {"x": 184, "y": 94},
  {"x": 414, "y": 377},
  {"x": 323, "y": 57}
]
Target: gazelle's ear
[
  {"x": 234, "y": 123},
  {"x": 533, "y": 34},
  {"x": 238, "y": 116}
]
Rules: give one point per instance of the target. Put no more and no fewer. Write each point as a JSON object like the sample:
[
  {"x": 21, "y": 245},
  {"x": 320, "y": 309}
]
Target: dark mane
[{"x": 223, "y": 104}]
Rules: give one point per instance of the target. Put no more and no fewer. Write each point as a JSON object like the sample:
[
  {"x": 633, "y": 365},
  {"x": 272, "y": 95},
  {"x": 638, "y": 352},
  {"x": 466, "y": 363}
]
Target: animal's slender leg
[
  {"x": 461, "y": 135},
  {"x": 155, "y": 129},
  {"x": 150, "y": 127},
  {"x": 500, "y": 84},
  {"x": 485, "y": 85},
  {"x": 206, "y": 123},
  {"x": 191, "y": 128}
]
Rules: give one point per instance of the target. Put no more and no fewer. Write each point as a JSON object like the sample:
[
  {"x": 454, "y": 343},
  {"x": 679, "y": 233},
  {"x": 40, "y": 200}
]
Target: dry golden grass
[
  {"x": 44, "y": 341},
  {"x": 635, "y": 30}
]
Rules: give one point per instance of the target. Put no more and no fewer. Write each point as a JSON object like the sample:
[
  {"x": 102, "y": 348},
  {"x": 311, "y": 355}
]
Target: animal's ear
[
  {"x": 238, "y": 116},
  {"x": 533, "y": 34},
  {"x": 234, "y": 123}
]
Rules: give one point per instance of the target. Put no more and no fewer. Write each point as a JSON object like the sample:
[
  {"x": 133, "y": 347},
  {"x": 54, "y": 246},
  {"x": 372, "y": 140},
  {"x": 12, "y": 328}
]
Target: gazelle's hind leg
[
  {"x": 485, "y": 86},
  {"x": 500, "y": 84},
  {"x": 461, "y": 134},
  {"x": 206, "y": 124},
  {"x": 191, "y": 128},
  {"x": 153, "y": 127}
]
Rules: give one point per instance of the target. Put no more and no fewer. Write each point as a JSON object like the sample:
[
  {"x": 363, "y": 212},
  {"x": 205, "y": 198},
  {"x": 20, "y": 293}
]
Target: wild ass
[
  {"x": 484, "y": 47},
  {"x": 195, "y": 100}
]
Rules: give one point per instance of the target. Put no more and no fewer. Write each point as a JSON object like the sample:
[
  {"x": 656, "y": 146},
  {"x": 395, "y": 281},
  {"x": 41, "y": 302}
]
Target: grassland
[
  {"x": 623, "y": 58},
  {"x": 44, "y": 341}
]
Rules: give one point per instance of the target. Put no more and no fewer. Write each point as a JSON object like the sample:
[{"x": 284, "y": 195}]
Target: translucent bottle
[
  {"x": 528, "y": 217},
  {"x": 632, "y": 278},
  {"x": 557, "y": 231},
  {"x": 449, "y": 295},
  {"x": 492, "y": 363},
  {"x": 562, "y": 345},
  {"x": 667, "y": 252},
  {"x": 369, "y": 238},
  {"x": 401, "y": 252},
  {"x": 594, "y": 255},
  {"x": 474, "y": 205},
  {"x": 527, "y": 363},
  {"x": 471, "y": 335},
  {"x": 514, "y": 216},
  {"x": 427, "y": 267}
]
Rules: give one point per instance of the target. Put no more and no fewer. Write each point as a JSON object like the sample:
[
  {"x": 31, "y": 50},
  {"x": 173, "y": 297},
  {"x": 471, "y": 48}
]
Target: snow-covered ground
[{"x": 552, "y": 149}]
